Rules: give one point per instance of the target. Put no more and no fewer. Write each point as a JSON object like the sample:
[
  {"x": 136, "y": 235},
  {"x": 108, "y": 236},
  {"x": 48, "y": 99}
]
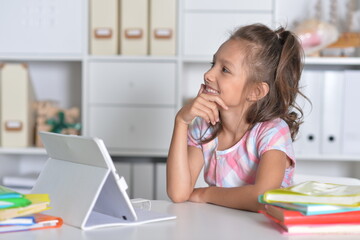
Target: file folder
[
  {"x": 104, "y": 27},
  {"x": 351, "y": 128},
  {"x": 17, "y": 109},
  {"x": 162, "y": 27},
  {"x": 84, "y": 187},
  {"x": 134, "y": 27},
  {"x": 309, "y": 137},
  {"x": 332, "y": 112}
]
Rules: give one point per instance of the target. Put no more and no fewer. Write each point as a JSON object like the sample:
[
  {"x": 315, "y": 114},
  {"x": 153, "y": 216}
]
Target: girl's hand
[
  {"x": 204, "y": 105},
  {"x": 198, "y": 195}
]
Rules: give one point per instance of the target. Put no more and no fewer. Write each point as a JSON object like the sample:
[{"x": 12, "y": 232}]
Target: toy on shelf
[
  {"x": 345, "y": 46},
  {"x": 51, "y": 118}
]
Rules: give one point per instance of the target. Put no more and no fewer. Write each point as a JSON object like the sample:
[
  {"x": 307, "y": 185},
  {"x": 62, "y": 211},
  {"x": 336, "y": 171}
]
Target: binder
[
  {"x": 104, "y": 27},
  {"x": 134, "y": 27},
  {"x": 95, "y": 198},
  {"x": 351, "y": 129},
  {"x": 17, "y": 110},
  {"x": 309, "y": 136},
  {"x": 332, "y": 112},
  {"x": 38, "y": 221},
  {"x": 162, "y": 27}
]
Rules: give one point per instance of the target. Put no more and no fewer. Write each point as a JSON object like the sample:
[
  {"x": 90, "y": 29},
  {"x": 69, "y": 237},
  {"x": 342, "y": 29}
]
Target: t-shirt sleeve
[
  {"x": 198, "y": 129},
  {"x": 276, "y": 136}
]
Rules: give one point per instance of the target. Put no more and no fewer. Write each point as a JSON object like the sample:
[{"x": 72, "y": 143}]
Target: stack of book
[
  {"x": 19, "y": 212},
  {"x": 314, "y": 208}
]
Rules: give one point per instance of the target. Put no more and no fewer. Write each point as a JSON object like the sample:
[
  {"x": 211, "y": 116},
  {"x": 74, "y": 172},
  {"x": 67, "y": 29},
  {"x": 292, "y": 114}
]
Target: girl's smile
[{"x": 210, "y": 90}]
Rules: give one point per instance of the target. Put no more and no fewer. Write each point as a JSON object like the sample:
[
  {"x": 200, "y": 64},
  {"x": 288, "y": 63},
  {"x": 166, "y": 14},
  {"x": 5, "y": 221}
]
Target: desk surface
[{"x": 194, "y": 221}]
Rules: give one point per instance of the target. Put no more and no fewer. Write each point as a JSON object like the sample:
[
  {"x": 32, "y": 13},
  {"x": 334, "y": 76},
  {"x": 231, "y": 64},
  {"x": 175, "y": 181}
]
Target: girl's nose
[{"x": 209, "y": 76}]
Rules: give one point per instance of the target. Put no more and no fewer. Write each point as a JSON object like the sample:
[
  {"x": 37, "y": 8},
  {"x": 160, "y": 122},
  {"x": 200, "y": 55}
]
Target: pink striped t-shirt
[{"x": 237, "y": 165}]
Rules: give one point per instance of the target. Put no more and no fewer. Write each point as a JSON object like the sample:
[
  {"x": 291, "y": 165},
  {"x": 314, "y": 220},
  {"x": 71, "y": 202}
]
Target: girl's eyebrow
[
  {"x": 224, "y": 61},
  {"x": 227, "y": 63}
]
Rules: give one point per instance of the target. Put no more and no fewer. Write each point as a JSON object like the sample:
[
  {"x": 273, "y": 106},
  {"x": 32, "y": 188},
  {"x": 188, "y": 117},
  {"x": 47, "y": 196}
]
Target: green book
[
  {"x": 14, "y": 203},
  {"x": 8, "y": 193},
  {"x": 11, "y": 199},
  {"x": 316, "y": 193}
]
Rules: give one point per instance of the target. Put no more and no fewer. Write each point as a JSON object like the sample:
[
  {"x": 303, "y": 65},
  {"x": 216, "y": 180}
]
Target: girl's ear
[{"x": 259, "y": 91}]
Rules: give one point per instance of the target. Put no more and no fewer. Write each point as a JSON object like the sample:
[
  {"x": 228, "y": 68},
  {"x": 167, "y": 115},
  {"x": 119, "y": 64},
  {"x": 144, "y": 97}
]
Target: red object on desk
[
  {"x": 301, "y": 227},
  {"x": 294, "y": 217},
  {"x": 41, "y": 221}
]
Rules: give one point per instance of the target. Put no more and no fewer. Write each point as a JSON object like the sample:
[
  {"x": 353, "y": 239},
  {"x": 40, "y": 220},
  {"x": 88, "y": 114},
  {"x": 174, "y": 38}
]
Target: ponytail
[{"x": 287, "y": 77}]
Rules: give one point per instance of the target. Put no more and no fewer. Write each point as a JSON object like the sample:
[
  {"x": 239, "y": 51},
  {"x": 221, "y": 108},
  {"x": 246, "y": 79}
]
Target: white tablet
[{"x": 83, "y": 185}]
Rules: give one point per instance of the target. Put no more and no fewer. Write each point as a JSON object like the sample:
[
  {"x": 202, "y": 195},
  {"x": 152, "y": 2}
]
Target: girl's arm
[
  {"x": 182, "y": 172},
  {"x": 269, "y": 175},
  {"x": 184, "y": 162}
]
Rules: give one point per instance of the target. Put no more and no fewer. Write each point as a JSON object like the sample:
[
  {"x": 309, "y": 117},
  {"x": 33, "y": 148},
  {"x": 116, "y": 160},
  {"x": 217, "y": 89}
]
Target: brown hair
[{"x": 276, "y": 58}]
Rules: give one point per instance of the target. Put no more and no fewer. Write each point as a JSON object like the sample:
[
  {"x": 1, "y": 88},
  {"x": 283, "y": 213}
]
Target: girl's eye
[
  {"x": 212, "y": 64},
  {"x": 224, "y": 69}
]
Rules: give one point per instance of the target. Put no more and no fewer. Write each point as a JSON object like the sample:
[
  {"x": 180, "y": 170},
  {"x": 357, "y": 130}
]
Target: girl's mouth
[{"x": 210, "y": 90}]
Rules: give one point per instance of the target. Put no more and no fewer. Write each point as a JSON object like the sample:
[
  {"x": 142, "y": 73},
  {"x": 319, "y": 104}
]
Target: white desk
[{"x": 194, "y": 221}]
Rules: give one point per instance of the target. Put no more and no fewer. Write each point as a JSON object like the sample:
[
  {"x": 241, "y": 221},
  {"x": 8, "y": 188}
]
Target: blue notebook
[
  {"x": 311, "y": 209},
  {"x": 8, "y": 193}
]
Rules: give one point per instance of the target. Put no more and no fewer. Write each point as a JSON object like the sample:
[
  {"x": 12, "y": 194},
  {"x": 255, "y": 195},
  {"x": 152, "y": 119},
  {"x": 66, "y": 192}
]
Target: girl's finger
[
  {"x": 216, "y": 99},
  {"x": 201, "y": 89},
  {"x": 204, "y": 115},
  {"x": 209, "y": 108}
]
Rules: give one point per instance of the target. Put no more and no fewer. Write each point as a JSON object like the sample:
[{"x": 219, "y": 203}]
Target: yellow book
[
  {"x": 39, "y": 203},
  {"x": 316, "y": 193}
]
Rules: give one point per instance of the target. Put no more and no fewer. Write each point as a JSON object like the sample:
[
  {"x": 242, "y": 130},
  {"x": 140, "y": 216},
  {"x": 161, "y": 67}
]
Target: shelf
[
  {"x": 308, "y": 60},
  {"x": 325, "y": 157},
  {"x": 55, "y": 58},
  {"x": 187, "y": 59},
  {"x": 133, "y": 58},
  {"x": 226, "y": 10},
  {"x": 23, "y": 151},
  {"x": 332, "y": 61},
  {"x": 138, "y": 153},
  {"x": 197, "y": 59}
]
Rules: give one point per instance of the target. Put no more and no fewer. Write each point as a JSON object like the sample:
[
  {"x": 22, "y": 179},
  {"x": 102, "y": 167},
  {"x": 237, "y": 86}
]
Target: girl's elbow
[
  {"x": 177, "y": 196},
  {"x": 258, "y": 191},
  {"x": 178, "y": 199}
]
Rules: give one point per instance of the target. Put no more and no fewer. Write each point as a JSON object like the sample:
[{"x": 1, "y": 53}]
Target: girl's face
[{"x": 227, "y": 76}]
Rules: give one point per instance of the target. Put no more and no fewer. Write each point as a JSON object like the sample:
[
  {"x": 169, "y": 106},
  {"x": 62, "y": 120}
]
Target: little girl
[{"x": 241, "y": 125}]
